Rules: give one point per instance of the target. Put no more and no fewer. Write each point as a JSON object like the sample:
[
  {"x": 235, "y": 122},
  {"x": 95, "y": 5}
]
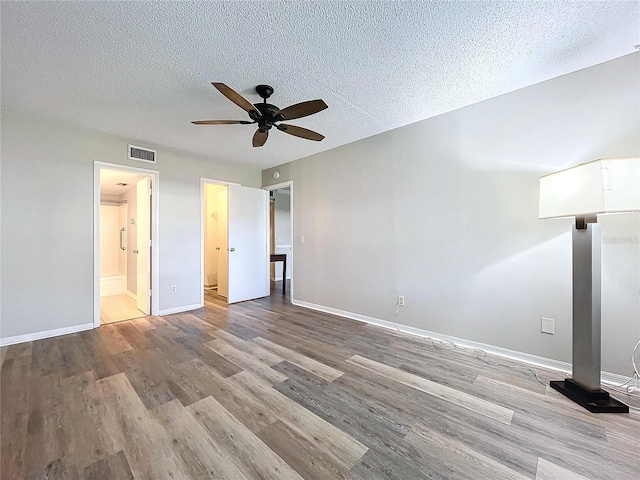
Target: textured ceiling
[{"x": 142, "y": 70}]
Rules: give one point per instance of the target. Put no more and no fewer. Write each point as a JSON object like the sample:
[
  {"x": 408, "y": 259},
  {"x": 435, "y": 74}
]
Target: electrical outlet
[
  {"x": 301, "y": 238},
  {"x": 547, "y": 325},
  {"x": 173, "y": 289},
  {"x": 401, "y": 300}
]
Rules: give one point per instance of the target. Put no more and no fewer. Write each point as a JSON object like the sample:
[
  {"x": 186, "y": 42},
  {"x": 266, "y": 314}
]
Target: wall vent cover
[{"x": 142, "y": 154}]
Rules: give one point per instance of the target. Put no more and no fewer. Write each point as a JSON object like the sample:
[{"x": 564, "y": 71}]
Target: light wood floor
[
  {"x": 267, "y": 390},
  {"x": 115, "y": 308}
]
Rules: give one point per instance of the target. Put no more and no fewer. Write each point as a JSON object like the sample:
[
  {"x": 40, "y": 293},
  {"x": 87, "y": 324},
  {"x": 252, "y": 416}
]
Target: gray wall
[
  {"x": 445, "y": 212},
  {"x": 47, "y": 222}
]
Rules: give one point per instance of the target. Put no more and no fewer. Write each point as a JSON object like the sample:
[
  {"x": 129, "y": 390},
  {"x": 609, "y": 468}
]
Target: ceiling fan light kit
[{"x": 267, "y": 116}]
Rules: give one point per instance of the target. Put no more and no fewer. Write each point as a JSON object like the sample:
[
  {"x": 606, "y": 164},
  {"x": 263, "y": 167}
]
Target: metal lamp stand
[{"x": 584, "y": 386}]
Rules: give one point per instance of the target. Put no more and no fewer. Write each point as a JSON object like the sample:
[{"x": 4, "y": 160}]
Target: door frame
[
  {"x": 206, "y": 181},
  {"x": 278, "y": 186},
  {"x": 155, "y": 276}
]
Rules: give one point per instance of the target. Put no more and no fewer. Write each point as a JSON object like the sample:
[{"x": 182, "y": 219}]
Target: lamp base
[{"x": 596, "y": 401}]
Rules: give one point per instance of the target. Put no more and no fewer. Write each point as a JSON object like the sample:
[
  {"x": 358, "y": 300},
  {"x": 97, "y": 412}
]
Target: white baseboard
[
  {"x": 45, "y": 334},
  {"x": 132, "y": 295},
  {"x": 186, "y": 308},
  {"x": 606, "y": 377}
]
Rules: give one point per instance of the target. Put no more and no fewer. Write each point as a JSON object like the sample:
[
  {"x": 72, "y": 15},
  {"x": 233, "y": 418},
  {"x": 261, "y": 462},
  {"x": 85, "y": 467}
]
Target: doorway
[
  {"x": 281, "y": 238},
  {"x": 124, "y": 226},
  {"x": 215, "y": 225},
  {"x": 234, "y": 241}
]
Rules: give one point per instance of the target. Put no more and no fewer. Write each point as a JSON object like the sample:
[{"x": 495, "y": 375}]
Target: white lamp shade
[{"x": 607, "y": 185}]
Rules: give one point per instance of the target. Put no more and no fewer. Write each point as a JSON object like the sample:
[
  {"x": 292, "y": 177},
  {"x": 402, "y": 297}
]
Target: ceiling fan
[{"x": 267, "y": 115}]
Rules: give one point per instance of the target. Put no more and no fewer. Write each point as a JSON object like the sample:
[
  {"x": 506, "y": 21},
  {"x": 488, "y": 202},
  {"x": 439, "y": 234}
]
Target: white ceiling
[
  {"x": 109, "y": 180},
  {"x": 142, "y": 70}
]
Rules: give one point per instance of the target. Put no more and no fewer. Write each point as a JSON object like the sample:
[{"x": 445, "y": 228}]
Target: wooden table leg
[{"x": 284, "y": 274}]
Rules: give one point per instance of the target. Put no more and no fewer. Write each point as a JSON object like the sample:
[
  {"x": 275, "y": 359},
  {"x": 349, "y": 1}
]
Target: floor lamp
[{"x": 604, "y": 186}]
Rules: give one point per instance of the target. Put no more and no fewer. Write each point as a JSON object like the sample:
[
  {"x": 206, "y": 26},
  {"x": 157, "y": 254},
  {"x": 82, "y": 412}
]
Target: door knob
[
  {"x": 217, "y": 248},
  {"x": 232, "y": 249}
]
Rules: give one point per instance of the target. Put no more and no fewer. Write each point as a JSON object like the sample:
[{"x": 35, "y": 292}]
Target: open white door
[
  {"x": 248, "y": 219},
  {"x": 223, "y": 239},
  {"x": 143, "y": 207}
]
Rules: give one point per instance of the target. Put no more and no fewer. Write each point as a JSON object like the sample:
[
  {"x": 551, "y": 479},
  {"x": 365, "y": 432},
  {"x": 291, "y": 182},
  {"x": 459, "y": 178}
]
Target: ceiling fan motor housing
[{"x": 268, "y": 115}]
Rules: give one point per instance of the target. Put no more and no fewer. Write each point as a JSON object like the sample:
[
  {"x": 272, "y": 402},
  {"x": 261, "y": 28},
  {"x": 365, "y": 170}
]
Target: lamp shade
[{"x": 607, "y": 185}]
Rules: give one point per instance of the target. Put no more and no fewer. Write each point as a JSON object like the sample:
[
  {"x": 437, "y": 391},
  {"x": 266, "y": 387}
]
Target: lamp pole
[{"x": 584, "y": 385}]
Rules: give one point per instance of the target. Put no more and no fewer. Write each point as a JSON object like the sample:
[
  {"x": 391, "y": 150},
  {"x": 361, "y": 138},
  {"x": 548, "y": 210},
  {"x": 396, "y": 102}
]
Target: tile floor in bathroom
[{"x": 116, "y": 308}]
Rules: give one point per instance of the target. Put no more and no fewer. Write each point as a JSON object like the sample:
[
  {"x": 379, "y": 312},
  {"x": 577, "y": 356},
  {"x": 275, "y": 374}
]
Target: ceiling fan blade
[
  {"x": 303, "y": 109},
  {"x": 300, "y": 132},
  {"x": 221, "y": 122},
  {"x": 235, "y": 97},
  {"x": 260, "y": 138}
]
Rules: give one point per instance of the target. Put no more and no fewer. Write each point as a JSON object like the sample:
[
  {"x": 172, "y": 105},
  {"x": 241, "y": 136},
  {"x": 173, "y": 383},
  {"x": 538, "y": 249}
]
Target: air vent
[{"x": 142, "y": 154}]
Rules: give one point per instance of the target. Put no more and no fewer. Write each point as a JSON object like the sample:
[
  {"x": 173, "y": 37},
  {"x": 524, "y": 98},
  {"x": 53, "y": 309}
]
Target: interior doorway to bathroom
[{"x": 123, "y": 243}]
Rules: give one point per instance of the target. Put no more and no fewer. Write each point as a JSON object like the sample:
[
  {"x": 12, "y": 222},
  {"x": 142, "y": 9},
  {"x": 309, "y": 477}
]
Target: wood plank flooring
[{"x": 267, "y": 390}]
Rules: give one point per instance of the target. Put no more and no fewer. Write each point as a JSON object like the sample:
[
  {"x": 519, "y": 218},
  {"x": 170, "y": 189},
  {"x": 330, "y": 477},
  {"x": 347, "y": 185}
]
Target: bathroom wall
[
  {"x": 111, "y": 257},
  {"x": 211, "y": 231}
]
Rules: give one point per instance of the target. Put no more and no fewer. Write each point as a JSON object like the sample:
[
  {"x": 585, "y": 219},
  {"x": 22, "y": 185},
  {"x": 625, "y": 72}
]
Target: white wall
[
  {"x": 445, "y": 212},
  {"x": 282, "y": 220},
  {"x": 47, "y": 222}
]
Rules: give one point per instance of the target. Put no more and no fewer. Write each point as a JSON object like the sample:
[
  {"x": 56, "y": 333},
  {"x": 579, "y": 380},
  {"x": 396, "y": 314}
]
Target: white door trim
[
  {"x": 278, "y": 186},
  {"x": 155, "y": 273},
  {"x": 203, "y": 182}
]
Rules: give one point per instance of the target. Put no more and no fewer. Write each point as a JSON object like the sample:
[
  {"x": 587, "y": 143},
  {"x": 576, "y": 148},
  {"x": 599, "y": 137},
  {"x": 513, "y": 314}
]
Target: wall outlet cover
[{"x": 547, "y": 325}]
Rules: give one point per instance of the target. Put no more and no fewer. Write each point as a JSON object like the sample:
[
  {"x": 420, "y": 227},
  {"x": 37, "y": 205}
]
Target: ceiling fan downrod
[{"x": 265, "y": 91}]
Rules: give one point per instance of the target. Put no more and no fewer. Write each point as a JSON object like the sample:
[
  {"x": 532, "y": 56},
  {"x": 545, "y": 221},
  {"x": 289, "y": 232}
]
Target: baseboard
[
  {"x": 132, "y": 295},
  {"x": 79, "y": 328},
  {"x": 30, "y": 337},
  {"x": 564, "y": 367},
  {"x": 186, "y": 308}
]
